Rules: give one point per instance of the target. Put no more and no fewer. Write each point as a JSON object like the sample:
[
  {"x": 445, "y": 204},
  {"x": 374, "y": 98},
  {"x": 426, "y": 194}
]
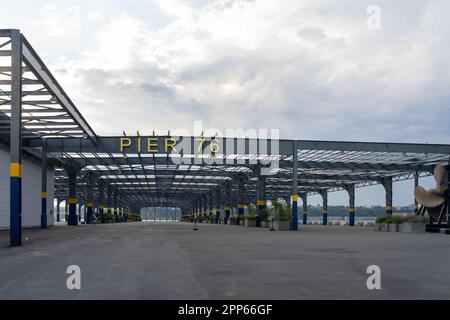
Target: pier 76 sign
[{"x": 205, "y": 150}]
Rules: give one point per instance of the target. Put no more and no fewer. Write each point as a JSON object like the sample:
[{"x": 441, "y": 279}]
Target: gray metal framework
[
  {"x": 102, "y": 172},
  {"x": 47, "y": 111},
  {"x": 151, "y": 179}
]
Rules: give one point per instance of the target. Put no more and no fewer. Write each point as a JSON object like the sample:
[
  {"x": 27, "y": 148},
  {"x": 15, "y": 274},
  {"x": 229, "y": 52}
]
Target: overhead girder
[
  {"x": 111, "y": 144},
  {"x": 162, "y": 177},
  {"x": 107, "y": 174},
  {"x": 329, "y": 165}
]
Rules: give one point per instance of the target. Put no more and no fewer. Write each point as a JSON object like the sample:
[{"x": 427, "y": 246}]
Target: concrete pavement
[{"x": 170, "y": 261}]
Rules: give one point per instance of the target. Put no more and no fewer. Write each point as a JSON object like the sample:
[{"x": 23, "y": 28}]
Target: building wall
[{"x": 31, "y": 192}]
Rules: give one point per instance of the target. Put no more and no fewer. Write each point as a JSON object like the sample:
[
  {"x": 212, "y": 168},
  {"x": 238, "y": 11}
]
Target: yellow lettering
[
  {"x": 152, "y": 146},
  {"x": 170, "y": 145},
  {"x": 124, "y": 143},
  {"x": 139, "y": 145}
]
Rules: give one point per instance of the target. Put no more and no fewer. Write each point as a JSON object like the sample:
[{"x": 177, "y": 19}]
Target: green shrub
[
  {"x": 251, "y": 210},
  {"x": 250, "y": 218},
  {"x": 284, "y": 214},
  {"x": 264, "y": 214},
  {"x": 398, "y": 219},
  {"x": 418, "y": 219}
]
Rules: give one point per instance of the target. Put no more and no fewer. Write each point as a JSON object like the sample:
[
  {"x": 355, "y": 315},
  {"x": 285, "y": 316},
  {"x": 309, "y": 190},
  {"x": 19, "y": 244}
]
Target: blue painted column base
[
  {"x": 352, "y": 219},
  {"x": 325, "y": 219},
  {"x": 15, "y": 232},
  {"x": 258, "y": 217},
  {"x": 72, "y": 219},
  {"x": 89, "y": 216},
  {"x": 294, "y": 222},
  {"x": 240, "y": 215},
  {"x": 227, "y": 216},
  {"x": 44, "y": 213},
  {"x": 217, "y": 218},
  {"x": 100, "y": 211}
]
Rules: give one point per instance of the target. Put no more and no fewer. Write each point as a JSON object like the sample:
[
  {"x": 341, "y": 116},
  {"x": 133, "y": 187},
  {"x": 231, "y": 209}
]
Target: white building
[{"x": 31, "y": 191}]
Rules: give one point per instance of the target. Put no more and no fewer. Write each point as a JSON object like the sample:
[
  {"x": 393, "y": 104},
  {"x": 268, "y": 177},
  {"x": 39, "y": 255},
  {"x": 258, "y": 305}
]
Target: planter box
[
  {"x": 265, "y": 224},
  {"x": 282, "y": 225},
  {"x": 336, "y": 223},
  {"x": 232, "y": 222},
  {"x": 384, "y": 227},
  {"x": 393, "y": 227},
  {"x": 377, "y": 227},
  {"x": 413, "y": 227},
  {"x": 359, "y": 224},
  {"x": 250, "y": 223}
]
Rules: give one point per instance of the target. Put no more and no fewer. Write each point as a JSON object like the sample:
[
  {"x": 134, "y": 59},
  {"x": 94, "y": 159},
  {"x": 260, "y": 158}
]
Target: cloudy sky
[{"x": 311, "y": 68}]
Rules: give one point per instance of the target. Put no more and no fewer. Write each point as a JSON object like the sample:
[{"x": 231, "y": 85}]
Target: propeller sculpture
[{"x": 434, "y": 201}]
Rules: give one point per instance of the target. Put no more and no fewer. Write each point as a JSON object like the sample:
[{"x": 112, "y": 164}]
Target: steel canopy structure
[{"x": 200, "y": 175}]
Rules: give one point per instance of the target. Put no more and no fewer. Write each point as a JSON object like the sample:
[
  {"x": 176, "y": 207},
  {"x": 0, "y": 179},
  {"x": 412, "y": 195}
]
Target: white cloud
[
  {"x": 57, "y": 22},
  {"x": 310, "y": 68}
]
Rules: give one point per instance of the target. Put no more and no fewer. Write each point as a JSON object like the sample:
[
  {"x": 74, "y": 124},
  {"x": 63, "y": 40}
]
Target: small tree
[
  {"x": 282, "y": 210},
  {"x": 264, "y": 214},
  {"x": 251, "y": 210}
]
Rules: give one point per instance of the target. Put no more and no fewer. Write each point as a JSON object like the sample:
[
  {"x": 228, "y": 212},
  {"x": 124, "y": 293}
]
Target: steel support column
[
  {"x": 294, "y": 222},
  {"x": 80, "y": 204},
  {"x": 115, "y": 205},
  {"x": 72, "y": 217},
  {"x": 448, "y": 193},
  {"x": 16, "y": 140},
  {"x": 387, "y": 184},
  {"x": 109, "y": 200},
  {"x": 416, "y": 184},
  {"x": 218, "y": 197},
  {"x": 210, "y": 206},
  {"x": 324, "y": 195},
  {"x": 351, "y": 204},
  {"x": 305, "y": 208},
  {"x": 101, "y": 200},
  {"x": 58, "y": 210},
  {"x": 90, "y": 198},
  {"x": 241, "y": 203},
  {"x": 227, "y": 203},
  {"x": 44, "y": 185},
  {"x": 261, "y": 200}
]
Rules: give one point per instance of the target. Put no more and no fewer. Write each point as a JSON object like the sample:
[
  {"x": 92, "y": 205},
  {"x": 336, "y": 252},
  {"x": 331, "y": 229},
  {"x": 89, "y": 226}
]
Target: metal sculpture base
[{"x": 437, "y": 215}]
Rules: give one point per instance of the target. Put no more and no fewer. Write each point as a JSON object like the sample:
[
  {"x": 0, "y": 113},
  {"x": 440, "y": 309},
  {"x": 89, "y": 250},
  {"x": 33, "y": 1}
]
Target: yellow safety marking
[
  {"x": 261, "y": 202},
  {"x": 15, "y": 170},
  {"x": 72, "y": 201},
  {"x": 227, "y": 208},
  {"x": 43, "y": 194},
  {"x": 295, "y": 197},
  {"x": 241, "y": 205},
  {"x": 351, "y": 210},
  {"x": 388, "y": 207},
  {"x": 90, "y": 204}
]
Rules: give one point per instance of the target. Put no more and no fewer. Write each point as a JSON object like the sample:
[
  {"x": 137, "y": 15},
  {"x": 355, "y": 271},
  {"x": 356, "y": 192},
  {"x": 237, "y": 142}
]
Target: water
[{"x": 342, "y": 220}]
